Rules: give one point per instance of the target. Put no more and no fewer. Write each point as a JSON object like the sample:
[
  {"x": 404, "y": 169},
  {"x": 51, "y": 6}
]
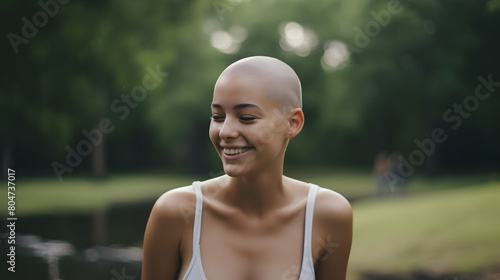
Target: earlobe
[{"x": 296, "y": 121}]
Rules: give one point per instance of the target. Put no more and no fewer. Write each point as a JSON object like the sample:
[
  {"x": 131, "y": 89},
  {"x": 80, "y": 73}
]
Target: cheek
[
  {"x": 272, "y": 130},
  {"x": 264, "y": 138},
  {"x": 213, "y": 133}
]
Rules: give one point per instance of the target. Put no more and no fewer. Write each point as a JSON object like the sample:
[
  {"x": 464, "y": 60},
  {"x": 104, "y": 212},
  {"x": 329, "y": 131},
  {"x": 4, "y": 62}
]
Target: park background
[{"x": 105, "y": 105}]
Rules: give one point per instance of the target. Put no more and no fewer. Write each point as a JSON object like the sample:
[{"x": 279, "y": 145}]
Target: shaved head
[{"x": 274, "y": 77}]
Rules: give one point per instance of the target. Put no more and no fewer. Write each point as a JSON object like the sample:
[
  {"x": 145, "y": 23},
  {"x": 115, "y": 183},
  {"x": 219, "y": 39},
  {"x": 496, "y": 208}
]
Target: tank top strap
[
  {"x": 307, "y": 271},
  {"x": 197, "y": 216}
]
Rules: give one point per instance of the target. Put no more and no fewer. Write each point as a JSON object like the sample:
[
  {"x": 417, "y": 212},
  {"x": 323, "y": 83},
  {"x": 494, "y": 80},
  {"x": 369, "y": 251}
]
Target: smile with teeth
[{"x": 235, "y": 151}]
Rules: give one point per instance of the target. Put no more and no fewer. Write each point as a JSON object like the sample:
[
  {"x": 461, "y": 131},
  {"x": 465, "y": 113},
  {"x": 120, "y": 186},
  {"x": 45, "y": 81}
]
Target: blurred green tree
[
  {"x": 398, "y": 66},
  {"x": 376, "y": 75},
  {"x": 86, "y": 55}
]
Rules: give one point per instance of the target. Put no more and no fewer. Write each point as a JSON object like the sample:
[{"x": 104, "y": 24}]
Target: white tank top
[{"x": 195, "y": 269}]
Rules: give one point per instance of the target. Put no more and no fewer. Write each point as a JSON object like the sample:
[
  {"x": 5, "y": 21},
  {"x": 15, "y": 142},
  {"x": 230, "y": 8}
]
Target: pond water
[{"x": 102, "y": 245}]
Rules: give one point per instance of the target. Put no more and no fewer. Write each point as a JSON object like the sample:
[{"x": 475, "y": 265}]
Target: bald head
[{"x": 274, "y": 77}]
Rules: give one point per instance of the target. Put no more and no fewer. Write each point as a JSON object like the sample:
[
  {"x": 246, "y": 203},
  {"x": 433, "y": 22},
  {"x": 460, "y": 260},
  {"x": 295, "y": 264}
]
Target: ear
[{"x": 296, "y": 122}]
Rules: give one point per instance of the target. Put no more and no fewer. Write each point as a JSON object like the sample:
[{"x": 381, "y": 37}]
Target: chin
[{"x": 235, "y": 171}]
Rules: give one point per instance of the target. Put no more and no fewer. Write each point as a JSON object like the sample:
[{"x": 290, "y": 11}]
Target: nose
[{"x": 229, "y": 129}]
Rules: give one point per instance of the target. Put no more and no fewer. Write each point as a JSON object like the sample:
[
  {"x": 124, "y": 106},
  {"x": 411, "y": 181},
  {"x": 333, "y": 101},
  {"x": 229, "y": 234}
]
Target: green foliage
[{"x": 401, "y": 75}]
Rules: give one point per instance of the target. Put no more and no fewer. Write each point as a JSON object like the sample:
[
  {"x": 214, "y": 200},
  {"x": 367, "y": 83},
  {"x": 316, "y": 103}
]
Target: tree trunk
[
  {"x": 99, "y": 228},
  {"x": 432, "y": 161},
  {"x": 98, "y": 158},
  {"x": 6, "y": 158}
]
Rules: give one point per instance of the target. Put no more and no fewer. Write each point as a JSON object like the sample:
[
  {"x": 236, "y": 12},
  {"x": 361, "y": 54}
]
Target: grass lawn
[
  {"x": 360, "y": 184},
  {"x": 80, "y": 195},
  {"x": 450, "y": 230}
]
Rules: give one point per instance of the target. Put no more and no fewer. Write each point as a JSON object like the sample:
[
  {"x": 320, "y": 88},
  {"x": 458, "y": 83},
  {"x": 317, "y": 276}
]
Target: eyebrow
[{"x": 238, "y": 106}]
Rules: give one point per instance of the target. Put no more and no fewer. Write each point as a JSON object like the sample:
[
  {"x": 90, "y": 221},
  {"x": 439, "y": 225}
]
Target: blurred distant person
[
  {"x": 398, "y": 186},
  {"x": 253, "y": 222},
  {"x": 380, "y": 169}
]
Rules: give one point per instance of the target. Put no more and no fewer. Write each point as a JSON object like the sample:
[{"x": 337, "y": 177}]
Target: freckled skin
[{"x": 253, "y": 217}]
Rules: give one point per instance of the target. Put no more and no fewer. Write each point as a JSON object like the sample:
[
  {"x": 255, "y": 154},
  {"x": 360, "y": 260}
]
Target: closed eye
[
  {"x": 247, "y": 119},
  {"x": 217, "y": 118}
]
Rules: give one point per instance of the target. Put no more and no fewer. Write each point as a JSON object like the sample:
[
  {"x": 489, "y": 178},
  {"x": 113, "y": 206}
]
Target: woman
[{"x": 253, "y": 222}]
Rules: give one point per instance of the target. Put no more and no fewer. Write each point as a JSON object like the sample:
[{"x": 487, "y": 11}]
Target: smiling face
[{"x": 249, "y": 129}]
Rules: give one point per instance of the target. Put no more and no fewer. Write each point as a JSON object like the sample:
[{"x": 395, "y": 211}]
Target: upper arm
[
  {"x": 334, "y": 216},
  {"x": 162, "y": 238}
]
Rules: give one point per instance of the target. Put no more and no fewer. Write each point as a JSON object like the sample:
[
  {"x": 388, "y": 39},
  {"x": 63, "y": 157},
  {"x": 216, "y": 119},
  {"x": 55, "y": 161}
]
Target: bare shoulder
[
  {"x": 170, "y": 219},
  {"x": 176, "y": 206},
  {"x": 333, "y": 213},
  {"x": 331, "y": 208},
  {"x": 176, "y": 196}
]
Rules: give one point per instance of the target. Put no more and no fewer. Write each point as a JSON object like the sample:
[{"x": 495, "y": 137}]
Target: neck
[{"x": 257, "y": 194}]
